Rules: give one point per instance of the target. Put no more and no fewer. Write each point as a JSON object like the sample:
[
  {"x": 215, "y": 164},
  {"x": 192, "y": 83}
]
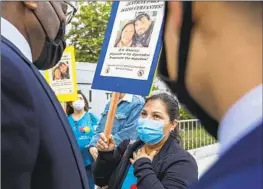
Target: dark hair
[
  {"x": 172, "y": 107},
  {"x": 140, "y": 16},
  {"x": 119, "y": 36},
  {"x": 69, "y": 108}
]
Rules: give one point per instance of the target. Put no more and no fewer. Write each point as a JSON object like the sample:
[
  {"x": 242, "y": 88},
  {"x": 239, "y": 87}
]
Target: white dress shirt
[
  {"x": 10, "y": 32},
  {"x": 244, "y": 116}
]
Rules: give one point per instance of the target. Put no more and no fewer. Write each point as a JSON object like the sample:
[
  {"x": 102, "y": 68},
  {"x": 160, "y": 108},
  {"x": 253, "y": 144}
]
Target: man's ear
[{"x": 30, "y": 4}]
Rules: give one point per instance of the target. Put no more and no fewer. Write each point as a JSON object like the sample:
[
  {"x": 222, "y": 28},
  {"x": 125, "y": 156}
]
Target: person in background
[
  {"x": 156, "y": 160},
  {"x": 212, "y": 60},
  {"x": 127, "y": 35},
  {"x": 143, "y": 27},
  {"x": 64, "y": 70},
  {"x": 83, "y": 124},
  {"x": 125, "y": 122},
  {"x": 57, "y": 74},
  {"x": 38, "y": 148}
]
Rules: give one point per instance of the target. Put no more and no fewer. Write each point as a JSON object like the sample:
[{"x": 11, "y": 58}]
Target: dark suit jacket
[
  {"x": 239, "y": 168},
  {"x": 39, "y": 150}
]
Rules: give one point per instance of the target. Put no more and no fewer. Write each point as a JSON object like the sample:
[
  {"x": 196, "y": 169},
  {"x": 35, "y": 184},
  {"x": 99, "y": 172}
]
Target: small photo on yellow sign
[{"x": 62, "y": 78}]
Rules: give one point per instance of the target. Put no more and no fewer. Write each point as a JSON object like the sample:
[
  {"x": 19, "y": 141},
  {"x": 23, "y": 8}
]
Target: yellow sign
[{"x": 63, "y": 78}]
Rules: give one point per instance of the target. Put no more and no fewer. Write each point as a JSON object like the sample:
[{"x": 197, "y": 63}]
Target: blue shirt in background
[
  {"x": 84, "y": 130},
  {"x": 126, "y": 119}
]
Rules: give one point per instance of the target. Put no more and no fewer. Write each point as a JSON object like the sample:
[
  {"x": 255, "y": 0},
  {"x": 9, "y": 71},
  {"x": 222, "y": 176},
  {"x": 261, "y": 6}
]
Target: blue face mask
[{"x": 150, "y": 131}]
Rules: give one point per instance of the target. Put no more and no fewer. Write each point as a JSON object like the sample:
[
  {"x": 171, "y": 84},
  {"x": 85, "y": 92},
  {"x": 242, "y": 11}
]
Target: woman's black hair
[
  {"x": 172, "y": 107},
  {"x": 119, "y": 36},
  {"x": 69, "y": 107}
]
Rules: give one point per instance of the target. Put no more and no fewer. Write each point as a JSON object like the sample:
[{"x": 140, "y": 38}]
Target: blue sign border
[{"x": 124, "y": 85}]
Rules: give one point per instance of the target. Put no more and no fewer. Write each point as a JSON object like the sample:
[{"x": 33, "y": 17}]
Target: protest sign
[
  {"x": 62, "y": 78},
  {"x": 131, "y": 47}
]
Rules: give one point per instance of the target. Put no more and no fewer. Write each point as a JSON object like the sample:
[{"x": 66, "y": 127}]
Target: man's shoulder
[
  {"x": 239, "y": 167},
  {"x": 13, "y": 65},
  {"x": 11, "y": 56}
]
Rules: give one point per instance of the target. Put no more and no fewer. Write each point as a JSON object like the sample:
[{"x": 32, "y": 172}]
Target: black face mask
[
  {"x": 53, "y": 49},
  {"x": 179, "y": 87}
]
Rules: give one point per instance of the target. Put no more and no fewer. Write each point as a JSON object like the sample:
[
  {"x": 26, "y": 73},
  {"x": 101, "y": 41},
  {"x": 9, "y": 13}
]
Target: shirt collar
[
  {"x": 10, "y": 32},
  {"x": 244, "y": 116},
  {"x": 127, "y": 98}
]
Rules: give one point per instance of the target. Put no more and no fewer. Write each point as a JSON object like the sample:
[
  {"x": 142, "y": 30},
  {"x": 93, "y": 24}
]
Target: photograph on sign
[
  {"x": 133, "y": 40},
  {"x": 136, "y": 33},
  {"x": 62, "y": 77},
  {"x": 61, "y": 82},
  {"x": 61, "y": 71},
  {"x": 131, "y": 47}
]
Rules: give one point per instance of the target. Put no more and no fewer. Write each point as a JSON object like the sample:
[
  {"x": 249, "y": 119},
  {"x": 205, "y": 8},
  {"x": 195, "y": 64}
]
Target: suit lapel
[{"x": 57, "y": 107}]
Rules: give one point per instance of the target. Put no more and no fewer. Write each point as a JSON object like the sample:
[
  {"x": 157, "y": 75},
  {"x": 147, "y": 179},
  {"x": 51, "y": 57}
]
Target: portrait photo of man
[{"x": 143, "y": 30}]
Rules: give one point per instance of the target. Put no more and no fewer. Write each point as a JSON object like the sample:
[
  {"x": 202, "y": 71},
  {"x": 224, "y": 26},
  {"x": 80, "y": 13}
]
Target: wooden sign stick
[{"x": 111, "y": 114}]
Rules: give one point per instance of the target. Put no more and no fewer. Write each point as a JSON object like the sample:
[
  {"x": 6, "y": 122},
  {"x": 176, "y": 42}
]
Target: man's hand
[{"x": 94, "y": 152}]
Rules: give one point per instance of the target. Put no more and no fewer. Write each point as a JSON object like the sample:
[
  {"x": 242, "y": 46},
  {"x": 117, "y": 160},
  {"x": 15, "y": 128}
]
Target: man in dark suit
[
  {"x": 212, "y": 60},
  {"x": 38, "y": 148}
]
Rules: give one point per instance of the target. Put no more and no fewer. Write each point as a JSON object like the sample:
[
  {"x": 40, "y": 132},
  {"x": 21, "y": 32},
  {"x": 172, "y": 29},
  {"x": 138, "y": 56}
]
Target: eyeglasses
[{"x": 71, "y": 11}]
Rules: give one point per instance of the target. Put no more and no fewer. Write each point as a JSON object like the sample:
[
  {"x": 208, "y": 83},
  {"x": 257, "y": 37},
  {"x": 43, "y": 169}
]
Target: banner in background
[
  {"x": 62, "y": 78},
  {"x": 131, "y": 47}
]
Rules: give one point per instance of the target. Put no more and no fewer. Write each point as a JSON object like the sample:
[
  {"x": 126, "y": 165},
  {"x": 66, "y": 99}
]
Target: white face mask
[{"x": 78, "y": 105}]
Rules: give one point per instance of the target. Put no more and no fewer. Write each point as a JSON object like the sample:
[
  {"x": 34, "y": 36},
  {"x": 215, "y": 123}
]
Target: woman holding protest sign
[
  {"x": 155, "y": 161},
  {"x": 83, "y": 125},
  {"x": 125, "y": 39}
]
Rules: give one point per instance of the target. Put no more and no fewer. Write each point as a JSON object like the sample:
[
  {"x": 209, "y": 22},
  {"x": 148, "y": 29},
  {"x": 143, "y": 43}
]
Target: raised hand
[{"x": 105, "y": 145}]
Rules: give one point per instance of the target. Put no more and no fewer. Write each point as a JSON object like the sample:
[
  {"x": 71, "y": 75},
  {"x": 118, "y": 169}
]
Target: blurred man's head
[
  {"x": 142, "y": 23},
  {"x": 43, "y": 26},
  {"x": 216, "y": 60}
]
